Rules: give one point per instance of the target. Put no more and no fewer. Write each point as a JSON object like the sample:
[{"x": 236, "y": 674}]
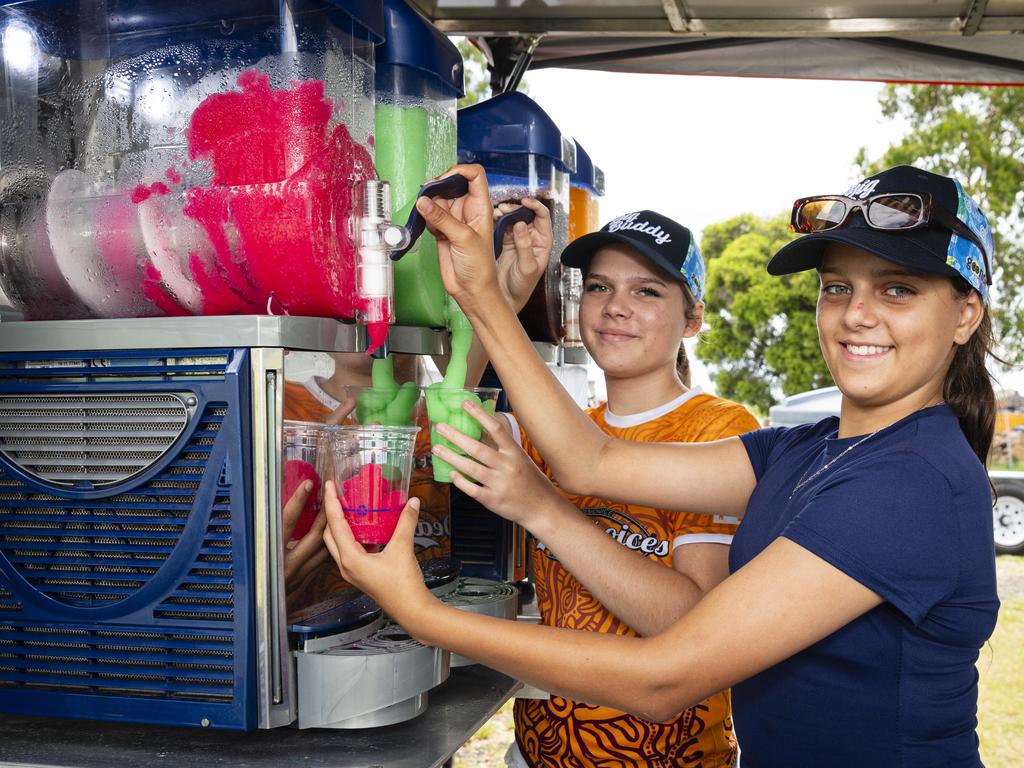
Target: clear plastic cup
[
  {"x": 371, "y": 469},
  {"x": 399, "y": 407},
  {"x": 444, "y": 406},
  {"x": 303, "y": 457}
]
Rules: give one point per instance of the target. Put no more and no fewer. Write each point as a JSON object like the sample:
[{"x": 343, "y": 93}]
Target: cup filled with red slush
[{"x": 371, "y": 466}]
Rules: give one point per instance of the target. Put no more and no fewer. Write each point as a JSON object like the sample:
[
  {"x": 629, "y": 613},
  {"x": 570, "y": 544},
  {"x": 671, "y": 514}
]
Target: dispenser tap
[
  {"x": 376, "y": 236},
  {"x": 450, "y": 188},
  {"x": 380, "y": 242}
]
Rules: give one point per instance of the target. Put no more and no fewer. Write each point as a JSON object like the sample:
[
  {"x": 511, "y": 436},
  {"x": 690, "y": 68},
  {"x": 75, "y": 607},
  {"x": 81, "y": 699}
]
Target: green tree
[
  {"x": 476, "y": 78},
  {"x": 976, "y": 134},
  {"x": 476, "y": 73},
  {"x": 762, "y": 341}
]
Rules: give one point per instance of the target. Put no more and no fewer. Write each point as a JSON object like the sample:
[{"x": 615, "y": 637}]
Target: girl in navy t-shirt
[{"x": 863, "y": 575}]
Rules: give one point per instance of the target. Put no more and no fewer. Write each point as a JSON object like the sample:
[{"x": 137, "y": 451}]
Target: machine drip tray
[
  {"x": 396, "y": 713},
  {"x": 483, "y": 596},
  {"x": 381, "y": 680}
]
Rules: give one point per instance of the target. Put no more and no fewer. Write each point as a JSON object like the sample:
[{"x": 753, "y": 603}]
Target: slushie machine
[{"x": 190, "y": 213}]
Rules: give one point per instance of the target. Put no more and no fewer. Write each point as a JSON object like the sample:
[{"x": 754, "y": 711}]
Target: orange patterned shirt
[{"x": 557, "y": 732}]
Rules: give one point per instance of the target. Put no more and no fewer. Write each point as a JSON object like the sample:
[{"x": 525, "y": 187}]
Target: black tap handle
[
  {"x": 511, "y": 218},
  {"x": 448, "y": 188}
]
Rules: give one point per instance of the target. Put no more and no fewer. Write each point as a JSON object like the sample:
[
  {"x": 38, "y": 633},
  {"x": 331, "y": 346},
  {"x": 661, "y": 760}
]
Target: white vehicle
[{"x": 1008, "y": 511}]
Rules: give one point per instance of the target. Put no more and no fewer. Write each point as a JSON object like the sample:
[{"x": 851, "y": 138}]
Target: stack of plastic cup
[
  {"x": 444, "y": 406},
  {"x": 303, "y": 458},
  {"x": 371, "y": 467},
  {"x": 398, "y": 407}
]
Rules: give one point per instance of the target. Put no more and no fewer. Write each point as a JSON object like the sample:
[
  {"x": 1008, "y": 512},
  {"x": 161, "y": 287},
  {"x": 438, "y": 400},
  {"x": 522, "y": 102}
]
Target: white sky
[{"x": 704, "y": 149}]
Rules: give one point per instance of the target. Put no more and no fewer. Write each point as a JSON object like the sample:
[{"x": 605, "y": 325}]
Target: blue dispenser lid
[
  {"x": 587, "y": 175},
  {"x": 513, "y": 124},
  {"x": 132, "y": 26},
  {"x": 412, "y": 41}
]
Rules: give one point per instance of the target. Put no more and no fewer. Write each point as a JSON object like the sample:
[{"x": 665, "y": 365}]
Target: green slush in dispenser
[{"x": 418, "y": 83}]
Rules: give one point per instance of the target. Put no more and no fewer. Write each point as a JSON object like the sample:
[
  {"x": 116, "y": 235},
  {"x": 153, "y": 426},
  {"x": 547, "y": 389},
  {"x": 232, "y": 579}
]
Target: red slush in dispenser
[{"x": 209, "y": 161}]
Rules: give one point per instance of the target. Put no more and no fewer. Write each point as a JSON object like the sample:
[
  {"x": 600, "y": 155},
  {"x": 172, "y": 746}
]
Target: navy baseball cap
[
  {"x": 667, "y": 244},
  {"x": 934, "y": 248}
]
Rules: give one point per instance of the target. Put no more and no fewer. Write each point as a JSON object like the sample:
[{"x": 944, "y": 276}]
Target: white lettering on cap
[
  {"x": 629, "y": 222},
  {"x": 862, "y": 189}
]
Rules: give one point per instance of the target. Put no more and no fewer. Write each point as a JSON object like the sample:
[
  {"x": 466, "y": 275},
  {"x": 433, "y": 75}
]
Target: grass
[
  {"x": 1001, "y": 672},
  {"x": 1000, "y": 701},
  {"x": 1017, "y": 466},
  {"x": 487, "y": 747}
]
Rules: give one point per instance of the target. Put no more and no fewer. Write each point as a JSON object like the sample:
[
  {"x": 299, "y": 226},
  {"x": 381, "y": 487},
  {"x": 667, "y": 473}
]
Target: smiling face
[
  {"x": 888, "y": 334},
  {"x": 632, "y": 315}
]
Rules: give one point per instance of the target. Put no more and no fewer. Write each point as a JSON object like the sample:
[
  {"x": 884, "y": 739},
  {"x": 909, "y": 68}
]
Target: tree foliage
[
  {"x": 477, "y": 74},
  {"x": 763, "y": 340},
  {"x": 476, "y": 78},
  {"x": 976, "y": 134}
]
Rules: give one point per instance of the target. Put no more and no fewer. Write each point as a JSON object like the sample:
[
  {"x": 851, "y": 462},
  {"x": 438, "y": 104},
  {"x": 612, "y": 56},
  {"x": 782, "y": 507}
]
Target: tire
[{"x": 1008, "y": 516}]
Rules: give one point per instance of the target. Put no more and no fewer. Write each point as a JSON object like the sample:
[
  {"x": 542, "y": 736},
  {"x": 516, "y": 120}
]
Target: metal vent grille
[
  {"x": 182, "y": 665},
  {"x": 95, "y": 552},
  {"x": 96, "y": 438},
  {"x": 476, "y": 537}
]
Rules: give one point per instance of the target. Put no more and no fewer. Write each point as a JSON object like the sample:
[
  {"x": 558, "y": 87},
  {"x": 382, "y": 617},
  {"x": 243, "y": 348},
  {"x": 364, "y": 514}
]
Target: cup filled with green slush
[
  {"x": 444, "y": 406},
  {"x": 401, "y": 406}
]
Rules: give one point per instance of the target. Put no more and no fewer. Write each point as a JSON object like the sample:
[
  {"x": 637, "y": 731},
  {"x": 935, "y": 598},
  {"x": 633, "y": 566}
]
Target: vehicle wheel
[{"x": 1008, "y": 517}]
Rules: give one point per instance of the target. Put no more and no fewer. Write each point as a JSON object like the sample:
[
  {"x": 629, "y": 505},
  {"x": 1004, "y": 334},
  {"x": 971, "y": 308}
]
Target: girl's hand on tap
[
  {"x": 524, "y": 253},
  {"x": 392, "y": 577},
  {"x": 464, "y": 230}
]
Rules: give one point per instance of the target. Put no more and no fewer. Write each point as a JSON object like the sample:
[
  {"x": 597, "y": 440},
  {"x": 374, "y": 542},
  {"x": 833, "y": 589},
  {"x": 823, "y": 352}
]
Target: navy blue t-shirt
[{"x": 908, "y": 514}]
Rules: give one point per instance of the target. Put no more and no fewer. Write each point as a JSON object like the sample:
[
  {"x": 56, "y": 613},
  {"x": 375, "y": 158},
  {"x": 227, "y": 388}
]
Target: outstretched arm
[
  {"x": 783, "y": 601},
  {"x": 665, "y": 476},
  {"x": 641, "y": 592}
]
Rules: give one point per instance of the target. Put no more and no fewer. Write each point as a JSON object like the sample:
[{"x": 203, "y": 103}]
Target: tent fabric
[{"x": 932, "y": 41}]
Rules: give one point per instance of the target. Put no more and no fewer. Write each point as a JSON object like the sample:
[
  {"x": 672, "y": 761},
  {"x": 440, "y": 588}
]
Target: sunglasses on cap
[{"x": 886, "y": 211}]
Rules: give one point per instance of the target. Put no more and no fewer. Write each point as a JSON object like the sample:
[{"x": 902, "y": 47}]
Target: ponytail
[
  {"x": 968, "y": 391},
  {"x": 682, "y": 360},
  {"x": 683, "y": 366}
]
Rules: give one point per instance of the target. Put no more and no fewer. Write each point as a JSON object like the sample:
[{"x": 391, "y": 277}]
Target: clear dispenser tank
[
  {"x": 586, "y": 185},
  {"x": 177, "y": 157},
  {"x": 525, "y": 155},
  {"x": 418, "y": 84}
]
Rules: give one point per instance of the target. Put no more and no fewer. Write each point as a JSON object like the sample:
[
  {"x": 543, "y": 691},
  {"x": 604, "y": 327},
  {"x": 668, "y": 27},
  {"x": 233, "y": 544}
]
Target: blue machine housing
[
  {"x": 132, "y": 601},
  {"x": 131, "y": 27},
  {"x": 415, "y": 58},
  {"x": 508, "y": 132},
  {"x": 587, "y": 175}
]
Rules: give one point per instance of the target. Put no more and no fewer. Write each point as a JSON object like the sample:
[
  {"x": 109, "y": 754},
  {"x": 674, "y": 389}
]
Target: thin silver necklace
[{"x": 804, "y": 480}]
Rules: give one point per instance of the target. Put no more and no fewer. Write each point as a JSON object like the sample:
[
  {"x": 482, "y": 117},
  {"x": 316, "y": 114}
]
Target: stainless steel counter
[{"x": 457, "y": 709}]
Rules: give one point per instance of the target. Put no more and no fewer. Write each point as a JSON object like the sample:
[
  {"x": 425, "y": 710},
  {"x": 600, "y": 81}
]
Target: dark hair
[
  {"x": 967, "y": 388},
  {"x": 682, "y": 361}
]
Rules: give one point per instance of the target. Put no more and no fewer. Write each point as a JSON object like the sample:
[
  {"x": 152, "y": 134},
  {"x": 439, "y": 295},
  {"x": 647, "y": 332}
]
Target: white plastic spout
[{"x": 375, "y": 281}]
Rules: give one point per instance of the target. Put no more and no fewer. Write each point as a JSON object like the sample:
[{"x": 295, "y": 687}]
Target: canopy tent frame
[{"x": 938, "y": 41}]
